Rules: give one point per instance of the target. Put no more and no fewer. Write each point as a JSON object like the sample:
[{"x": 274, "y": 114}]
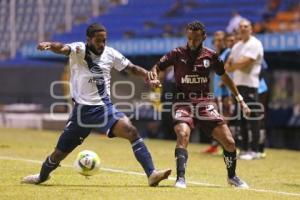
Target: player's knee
[
  {"x": 230, "y": 144},
  {"x": 181, "y": 130},
  {"x": 184, "y": 135},
  {"x": 132, "y": 133}
]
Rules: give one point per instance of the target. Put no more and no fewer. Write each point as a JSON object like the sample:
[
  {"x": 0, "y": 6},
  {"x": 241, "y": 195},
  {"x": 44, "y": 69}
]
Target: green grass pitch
[{"x": 276, "y": 177}]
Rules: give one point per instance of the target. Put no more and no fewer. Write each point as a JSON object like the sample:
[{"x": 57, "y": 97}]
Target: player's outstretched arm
[
  {"x": 230, "y": 84},
  {"x": 55, "y": 47},
  {"x": 139, "y": 71}
]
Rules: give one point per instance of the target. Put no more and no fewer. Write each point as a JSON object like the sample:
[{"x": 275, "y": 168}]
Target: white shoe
[
  {"x": 33, "y": 179},
  {"x": 180, "y": 183},
  {"x": 237, "y": 182},
  {"x": 257, "y": 155},
  {"x": 246, "y": 155},
  {"x": 157, "y": 176}
]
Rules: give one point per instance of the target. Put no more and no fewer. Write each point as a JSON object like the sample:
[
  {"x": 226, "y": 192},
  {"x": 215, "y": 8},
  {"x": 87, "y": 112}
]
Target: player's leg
[
  {"x": 222, "y": 133},
  {"x": 72, "y": 136},
  {"x": 53, "y": 160},
  {"x": 64, "y": 146},
  {"x": 183, "y": 132},
  {"x": 51, "y": 163},
  {"x": 123, "y": 128},
  {"x": 224, "y": 104},
  {"x": 184, "y": 123},
  {"x": 213, "y": 148}
]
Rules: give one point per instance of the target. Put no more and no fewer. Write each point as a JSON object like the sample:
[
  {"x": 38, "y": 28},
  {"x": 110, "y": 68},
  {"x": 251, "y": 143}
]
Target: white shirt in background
[{"x": 253, "y": 49}]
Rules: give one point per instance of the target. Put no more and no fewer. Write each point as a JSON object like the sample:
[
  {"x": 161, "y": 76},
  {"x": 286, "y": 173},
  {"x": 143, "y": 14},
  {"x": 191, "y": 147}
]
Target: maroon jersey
[{"x": 192, "y": 70}]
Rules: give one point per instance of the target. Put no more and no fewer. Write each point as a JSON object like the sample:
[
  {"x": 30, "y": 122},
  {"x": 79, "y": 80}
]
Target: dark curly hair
[
  {"x": 196, "y": 26},
  {"x": 93, "y": 28}
]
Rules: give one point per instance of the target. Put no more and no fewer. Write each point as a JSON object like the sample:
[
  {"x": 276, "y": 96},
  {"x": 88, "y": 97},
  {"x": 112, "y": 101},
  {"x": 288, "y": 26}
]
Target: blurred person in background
[
  {"x": 167, "y": 99},
  {"x": 245, "y": 62},
  {"x": 234, "y": 21},
  {"x": 271, "y": 9},
  {"x": 176, "y": 9},
  {"x": 222, "y": 44},
  {"x": 263, "y": 96}
]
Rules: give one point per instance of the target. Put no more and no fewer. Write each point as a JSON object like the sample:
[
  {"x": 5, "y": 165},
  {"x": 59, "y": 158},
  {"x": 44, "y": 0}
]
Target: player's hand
[
  {"x": 42, "y": 46},
  {"x": 152, "y": 75},
  {"x": 153, "y": 83},
  {"x": 152, "y": 80},
  {"x": 246, "y": 110}
]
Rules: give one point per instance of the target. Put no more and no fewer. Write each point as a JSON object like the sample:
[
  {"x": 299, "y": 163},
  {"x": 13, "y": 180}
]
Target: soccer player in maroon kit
[{"x": 194, "y": 102}]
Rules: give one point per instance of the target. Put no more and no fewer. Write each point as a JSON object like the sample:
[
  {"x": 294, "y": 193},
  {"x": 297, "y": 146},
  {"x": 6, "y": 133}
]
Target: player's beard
[
  {"x": 196, "y": 49},
  {"x": 193, "y": 54},
  {"x": 95, "y": 51},
  {"x": 193, "y": 48}
]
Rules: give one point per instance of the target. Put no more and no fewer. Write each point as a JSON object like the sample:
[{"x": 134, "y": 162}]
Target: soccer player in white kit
[{"x": 91, "y": 64}]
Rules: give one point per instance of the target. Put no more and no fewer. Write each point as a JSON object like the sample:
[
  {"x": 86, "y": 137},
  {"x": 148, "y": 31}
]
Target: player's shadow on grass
[
  {"x": 123, "y": 186},
  {"x": 100, "y": 186},
  {"x": 205, "y": 186}
]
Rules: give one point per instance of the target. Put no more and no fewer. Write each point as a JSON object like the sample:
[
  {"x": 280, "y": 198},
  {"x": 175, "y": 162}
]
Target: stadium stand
[
  {"x": 157, "y": 19},
  {"x": 123, "y": 21},
  {"x": 27, "y": 15},
  {"x": 285, "y": 17}
]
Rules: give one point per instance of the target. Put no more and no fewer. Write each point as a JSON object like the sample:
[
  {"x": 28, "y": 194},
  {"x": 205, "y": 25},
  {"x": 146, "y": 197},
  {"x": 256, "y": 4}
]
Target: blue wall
[{"x": 157, "y": 46}]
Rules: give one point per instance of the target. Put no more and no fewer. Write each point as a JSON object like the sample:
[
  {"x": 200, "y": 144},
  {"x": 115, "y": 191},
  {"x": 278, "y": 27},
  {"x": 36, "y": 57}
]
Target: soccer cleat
[
  {"x": 158, "y": 176},
  {"x": 237, "y": 182},
  {"x": 33, "y": 179},
  {"x": 180, "y": 183},
  {"x": 211, "y": 150}
]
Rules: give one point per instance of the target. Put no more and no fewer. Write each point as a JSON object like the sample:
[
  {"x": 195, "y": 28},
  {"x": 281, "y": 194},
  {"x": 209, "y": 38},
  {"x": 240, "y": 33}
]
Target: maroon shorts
[{"x": 207, "y": 117}]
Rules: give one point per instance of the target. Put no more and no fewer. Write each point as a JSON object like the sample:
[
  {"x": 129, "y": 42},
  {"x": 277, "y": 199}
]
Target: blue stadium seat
[{"x": 135, "y": 18}]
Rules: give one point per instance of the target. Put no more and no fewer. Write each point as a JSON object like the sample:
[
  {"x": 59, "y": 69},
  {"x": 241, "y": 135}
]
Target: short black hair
[
  {"x": 93, "y": 28},
  {"x": 196, "y": 26}
]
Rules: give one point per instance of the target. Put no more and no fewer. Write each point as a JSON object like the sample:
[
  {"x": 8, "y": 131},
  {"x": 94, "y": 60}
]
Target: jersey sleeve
[
  {"x": 120, "y": 62},
  {"x": 167, "y": 60},
  {"x": 218, "y": 65},
  {"x": 76, "y": 49},
  {"x": 253, "y": 50}
]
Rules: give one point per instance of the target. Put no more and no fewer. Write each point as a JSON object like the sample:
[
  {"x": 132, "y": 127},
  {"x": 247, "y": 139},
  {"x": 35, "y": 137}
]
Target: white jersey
[
  {"x": 90, "y": 83},
  {"x": 253, "y": 49}
]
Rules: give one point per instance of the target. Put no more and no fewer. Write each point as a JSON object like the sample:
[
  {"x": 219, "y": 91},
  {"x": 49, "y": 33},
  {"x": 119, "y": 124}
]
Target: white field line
[{"x": 142, "y": 174}]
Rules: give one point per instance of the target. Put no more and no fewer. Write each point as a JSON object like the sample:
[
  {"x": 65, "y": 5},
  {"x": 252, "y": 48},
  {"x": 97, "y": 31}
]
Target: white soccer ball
[{"x": 87, "y": 163}]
